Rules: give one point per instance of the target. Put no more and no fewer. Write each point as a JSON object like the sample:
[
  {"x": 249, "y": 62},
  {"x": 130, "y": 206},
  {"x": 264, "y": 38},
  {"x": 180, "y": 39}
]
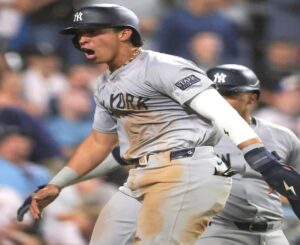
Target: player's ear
[
  {"x": 253, "y": 98},
  {"x": 125, "y": 34}
]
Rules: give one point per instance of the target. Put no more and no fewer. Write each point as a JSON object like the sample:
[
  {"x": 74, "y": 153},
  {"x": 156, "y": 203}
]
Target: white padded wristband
[{"x": 64, "y": 177}]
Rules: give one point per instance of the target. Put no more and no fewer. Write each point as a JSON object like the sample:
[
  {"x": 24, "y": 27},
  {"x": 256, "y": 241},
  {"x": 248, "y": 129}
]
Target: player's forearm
[
  {"x": 282, "y": 178},
  {"x": 91, "y": 152},
  {"x": 211, "y": 105},
  {"x": 108, "y": 165},
  {"x": 214, "y": 107}
]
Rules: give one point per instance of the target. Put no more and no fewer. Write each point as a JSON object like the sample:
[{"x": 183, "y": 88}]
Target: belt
[
  {"x": 182, "y": 153},
  {"x": 172, "y": 155},
  {"x": 143, "y": 161},
  {"x": 258, "y": 227}
]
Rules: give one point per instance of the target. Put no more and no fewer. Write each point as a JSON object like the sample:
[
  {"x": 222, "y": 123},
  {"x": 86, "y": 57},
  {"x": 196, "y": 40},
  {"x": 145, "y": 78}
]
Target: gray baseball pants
[{"x": 167, "y": 201}]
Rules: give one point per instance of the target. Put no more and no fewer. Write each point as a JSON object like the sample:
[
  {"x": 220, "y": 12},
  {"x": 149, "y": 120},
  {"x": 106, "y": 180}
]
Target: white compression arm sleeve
[{"x": 211, "y": 105}]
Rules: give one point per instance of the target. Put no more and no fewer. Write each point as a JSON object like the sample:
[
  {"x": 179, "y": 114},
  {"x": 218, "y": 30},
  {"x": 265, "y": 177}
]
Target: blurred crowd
[{"x": 46, "y": 93}]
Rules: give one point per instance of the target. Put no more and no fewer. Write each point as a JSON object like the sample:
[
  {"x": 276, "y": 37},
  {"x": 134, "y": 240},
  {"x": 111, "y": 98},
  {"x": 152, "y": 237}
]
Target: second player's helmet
[
  {"x": 234, "y": 78},
  {"x": 97, "y": 16}
]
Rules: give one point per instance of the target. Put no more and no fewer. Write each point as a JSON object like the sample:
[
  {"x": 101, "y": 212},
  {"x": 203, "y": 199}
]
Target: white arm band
[
  {"x": 211, "y": 105},
  {"x": 64, "y": 177}
]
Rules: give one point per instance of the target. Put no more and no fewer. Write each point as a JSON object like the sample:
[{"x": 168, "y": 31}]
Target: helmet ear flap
[{"x": 75, "y": 42}]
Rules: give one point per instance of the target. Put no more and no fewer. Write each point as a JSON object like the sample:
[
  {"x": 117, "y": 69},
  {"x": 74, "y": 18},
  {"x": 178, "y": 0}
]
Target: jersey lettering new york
[
  {"x": 123, "y": 104},
  {"x": 128, "y": 101}
]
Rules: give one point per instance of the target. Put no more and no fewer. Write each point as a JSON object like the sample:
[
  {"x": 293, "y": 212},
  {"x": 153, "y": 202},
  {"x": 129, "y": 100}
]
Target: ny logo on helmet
[
  {"x": 219, "y": 78},
  {"x": 78, "y": 17}
]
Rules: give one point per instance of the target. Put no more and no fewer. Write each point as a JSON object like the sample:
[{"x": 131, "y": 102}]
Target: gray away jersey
[
  {"x": 143, "y": 102},
  {"x": 250, "y": 199}
]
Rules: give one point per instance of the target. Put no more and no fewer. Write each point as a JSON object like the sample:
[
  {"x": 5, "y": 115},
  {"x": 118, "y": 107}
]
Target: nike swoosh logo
[{"x": 219, "y": 163}]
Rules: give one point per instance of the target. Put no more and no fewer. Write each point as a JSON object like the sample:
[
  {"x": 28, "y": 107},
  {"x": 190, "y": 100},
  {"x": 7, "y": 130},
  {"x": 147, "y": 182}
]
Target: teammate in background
[
  {"x": 252, "y": 215},
  {"x": 165, "y": 114}
]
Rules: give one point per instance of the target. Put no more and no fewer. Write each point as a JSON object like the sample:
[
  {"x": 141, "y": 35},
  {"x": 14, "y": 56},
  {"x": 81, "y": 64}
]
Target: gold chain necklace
[
  {"x": 134, "y": 55},
  {"x": 250, "y": 121}
]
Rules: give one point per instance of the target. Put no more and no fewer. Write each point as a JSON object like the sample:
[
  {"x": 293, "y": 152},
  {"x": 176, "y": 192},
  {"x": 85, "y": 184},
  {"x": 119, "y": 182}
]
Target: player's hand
[
  {"x": 26, "y": 204},
  {"x": 41, "y": 199}
]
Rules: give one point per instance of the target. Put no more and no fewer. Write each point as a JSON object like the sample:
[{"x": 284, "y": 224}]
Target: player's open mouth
[{"x": 89, "y": 53}]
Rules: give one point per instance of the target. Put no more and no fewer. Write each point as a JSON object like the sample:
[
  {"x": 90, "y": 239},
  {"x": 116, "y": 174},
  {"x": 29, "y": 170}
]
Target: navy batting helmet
[
  {"x": 234, "y": 78},
  {"x": 97, "y": 16}
]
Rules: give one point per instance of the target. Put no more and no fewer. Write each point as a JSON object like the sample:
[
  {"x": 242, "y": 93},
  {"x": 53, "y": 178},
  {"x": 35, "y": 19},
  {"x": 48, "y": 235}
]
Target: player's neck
[
  {"x": 247, "y": 117},
  {"x": 124, "y": 58}
]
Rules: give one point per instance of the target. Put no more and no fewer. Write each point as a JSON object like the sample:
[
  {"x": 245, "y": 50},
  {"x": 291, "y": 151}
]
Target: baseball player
[
  {"x": 166, "y": 116},
  {"x": 246, "y": 219},
  {"x": 252, "y": 215}
]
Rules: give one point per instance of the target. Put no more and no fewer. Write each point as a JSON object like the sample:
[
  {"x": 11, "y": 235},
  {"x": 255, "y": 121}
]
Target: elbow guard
[{"x": 281, "y": 178}]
